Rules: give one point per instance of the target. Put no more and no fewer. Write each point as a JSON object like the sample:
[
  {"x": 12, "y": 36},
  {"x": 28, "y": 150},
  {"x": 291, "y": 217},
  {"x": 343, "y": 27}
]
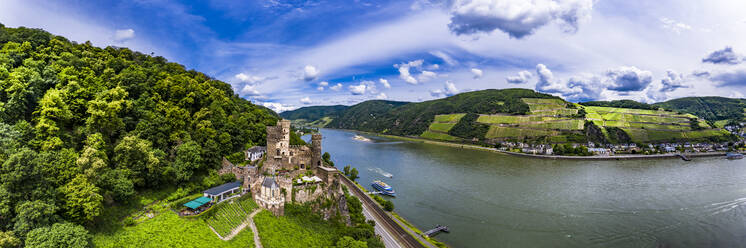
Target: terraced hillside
[
  {"x": 652, "y": 125},
  {"x": 557, "y": 121},
  {"x": 439, "y": 128},
  {"x": 551, "y": 119}
]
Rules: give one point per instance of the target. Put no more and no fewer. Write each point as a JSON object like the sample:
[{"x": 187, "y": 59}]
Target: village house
[{"x": 255, "y": 153}]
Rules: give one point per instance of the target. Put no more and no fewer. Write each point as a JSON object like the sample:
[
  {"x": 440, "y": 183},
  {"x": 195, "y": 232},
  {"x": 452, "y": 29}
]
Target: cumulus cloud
[
  {"x": 477, "y": 73},
  {"x": 358, "y": 89},
  {"x": 310, "y": 73},
  {"x": 426, "y": 76},
  {"x": 385, "y": 83},
  {"x": 122, "y": 35},
  {"x": 249, "y": 79},
  {"x": 404, "y": 73},
  {"x": 448, "y": 89},
  {"x": 336, "y": 87},
  {"x": 517, "y": 18},
  {"x": 672, "y": 81},
  {"x": 382, "y": 96},
  {"x": 674, "y": 26},
  {"x": 628, "y": 78},
  {"x": 730, "y": 78},
  {"x": 585, "y": 87},
  {"x": 521, "y": 78},
  {"x": 724, "y": 56},
  {"x": 322, "y": 85},
  {"x": 305, "y": 100},
  {"x": 278, "y": 107},
  {"x": 249, "y": 90}
]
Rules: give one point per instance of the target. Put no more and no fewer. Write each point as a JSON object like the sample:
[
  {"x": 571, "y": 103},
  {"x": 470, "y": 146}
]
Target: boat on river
[
  {"x": 733, "y": 155},
  {"x": 384, "y": 188}
]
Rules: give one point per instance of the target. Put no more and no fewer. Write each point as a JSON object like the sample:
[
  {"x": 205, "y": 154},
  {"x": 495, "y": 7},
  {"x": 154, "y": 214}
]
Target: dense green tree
[
  {"x": 349, "y": 242},
  {"x": 142, "y": 160},
  {"x": 33, "y": 214},
  {"x": 347, "y": 170},
  {"x": 61, "y": 166},
  {"x": 188, "y": 159},
  {"x": 105, "y": 112},
  {"x": 81, "y": 200},
  {"x": 50, "y": 116},
  {"x": 59, "y": 235},
  {"x": 353, "y": 174},
  {"x": 9, "y": 240},
  {"x": 93, "y": 160}
]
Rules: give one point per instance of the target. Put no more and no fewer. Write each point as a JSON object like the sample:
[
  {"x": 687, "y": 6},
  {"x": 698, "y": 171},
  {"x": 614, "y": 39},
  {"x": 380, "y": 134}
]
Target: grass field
[
  {"x": 561, "y": 125},
  {"x": 293, "y": 231},
  {"x": 441, "y": 127},
  {"x": 452, "y": 118},
  {"x": 228, "y": 215},
  {"x": 641, "y": 135},
  {"x": 515, "y": 119},
  {"x": 169, "y": 230},
  {"x": 543, "y": 101},
  {"x": 437, "y": 136},
  {"x": 508, "y": 132}
]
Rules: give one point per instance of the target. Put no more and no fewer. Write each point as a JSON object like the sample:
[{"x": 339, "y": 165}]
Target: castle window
[{"x": 278, "y": 151}]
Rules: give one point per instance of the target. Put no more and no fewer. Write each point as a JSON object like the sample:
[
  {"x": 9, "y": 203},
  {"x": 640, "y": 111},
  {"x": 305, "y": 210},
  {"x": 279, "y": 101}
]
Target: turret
[{"x": 316, "y": 150}]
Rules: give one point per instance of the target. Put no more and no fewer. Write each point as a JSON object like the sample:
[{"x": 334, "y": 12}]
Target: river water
[{"x": 494, "y": 200}]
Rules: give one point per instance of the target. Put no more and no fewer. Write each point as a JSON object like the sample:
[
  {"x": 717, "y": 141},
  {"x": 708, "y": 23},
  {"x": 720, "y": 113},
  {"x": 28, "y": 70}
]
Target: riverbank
[{"x": 553, "y": 157}]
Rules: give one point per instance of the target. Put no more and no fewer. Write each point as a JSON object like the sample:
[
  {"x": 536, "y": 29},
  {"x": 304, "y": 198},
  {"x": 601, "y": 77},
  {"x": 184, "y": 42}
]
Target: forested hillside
[
  {"x": 710, "y": 108},
  {"x": 82, "y": 128}
]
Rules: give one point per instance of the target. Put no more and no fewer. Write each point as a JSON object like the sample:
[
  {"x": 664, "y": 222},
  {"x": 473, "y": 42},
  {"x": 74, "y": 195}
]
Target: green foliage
[
  {"x": 142, "y": 162},
  {"x": 188, "y": 159},
  {"x": 617, "y": 135},
  {"x": 469, "y": 128},
  {"x": 347, "y": 170},
  {"x": 349, "y": 242},
  {"x": 81, "y": 200},
  {"x": 314, "y": 112},
  {"x": 296, "y": 140},
  {"x": 709, "y": 108},
  {"x": 386, "y": 204},
  {"x": 569, "y": 150},
  {"x": 228, "y": 215},
  {"x": 353, "y": 174},
  {"x": 438, "y": 136},
  {"x": 33, "y": 214},
  {"x": 620, "y": 104},
  {"x": 327, "y": 159},
  {"x": 59, "y": 235},
  {"x": 9, "y": 240}
]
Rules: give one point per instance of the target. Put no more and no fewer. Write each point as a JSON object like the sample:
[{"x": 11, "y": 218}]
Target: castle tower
[
  {"x": 278, "y": 144},
  {"x": 315, "y": 151}
]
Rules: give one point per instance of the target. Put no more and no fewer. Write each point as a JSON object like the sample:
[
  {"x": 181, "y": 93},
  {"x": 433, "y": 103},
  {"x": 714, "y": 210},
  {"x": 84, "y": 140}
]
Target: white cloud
[
  {"x": 122, "y": 35},
  {"x": 278, "y": 107},
  {"x": 310, "y": 73},
  {"x": 357, "y": 89},
  {"x": 336, "y": 87},
  {"x": 445, "y": 57},
  {"x": 250, "y": 79},
  {"x": 450, "y": 89},
  {"x": 674, "y": 26},
  {"x": 404, "y": 73},
  {"x": 517, "y": 18},
  {"x": 521, "y": 78},
  {"x": 385, "y": 83},
  {"x": 320, "y": 88},
  {"x": 382, "y": 96},
  {"x": 426, "y": 76},
  {"x": 477, "y": 73},
  {"x": 305, "y": 100},
  {"x": 249, "y": 90},
  {"x": 324, "y": 83},
  {"x": 628, "y": 78}
]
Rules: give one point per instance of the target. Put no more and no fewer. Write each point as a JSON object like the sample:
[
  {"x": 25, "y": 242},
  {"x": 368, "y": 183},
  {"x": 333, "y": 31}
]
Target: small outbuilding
[
  {"x": 223, "y": 192},
  {"x": 255, "y": 153}
]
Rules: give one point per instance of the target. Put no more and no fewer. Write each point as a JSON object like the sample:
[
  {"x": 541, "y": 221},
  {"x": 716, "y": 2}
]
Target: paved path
[
  {"x": 257, "y": 242},
  {"x": 420, "y": 238}
]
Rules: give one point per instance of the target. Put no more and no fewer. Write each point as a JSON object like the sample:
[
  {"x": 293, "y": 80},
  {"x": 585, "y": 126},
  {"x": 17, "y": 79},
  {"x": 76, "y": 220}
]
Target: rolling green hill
[
  {"x": 710, "y": 108},
  {"x": 524, "y": 115}
]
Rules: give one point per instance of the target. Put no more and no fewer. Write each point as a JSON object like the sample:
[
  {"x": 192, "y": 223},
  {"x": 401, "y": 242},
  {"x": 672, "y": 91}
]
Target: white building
[{"x": 255, "y": 153}]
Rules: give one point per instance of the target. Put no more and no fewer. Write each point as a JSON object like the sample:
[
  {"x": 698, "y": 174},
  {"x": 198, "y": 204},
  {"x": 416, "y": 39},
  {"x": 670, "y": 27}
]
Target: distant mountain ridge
[{"x": 521, "y": 114}]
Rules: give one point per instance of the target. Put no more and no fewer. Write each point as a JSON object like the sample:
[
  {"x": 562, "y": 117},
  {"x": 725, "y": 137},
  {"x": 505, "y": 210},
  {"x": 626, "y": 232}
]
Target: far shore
[{"x": 539, "y": 156}]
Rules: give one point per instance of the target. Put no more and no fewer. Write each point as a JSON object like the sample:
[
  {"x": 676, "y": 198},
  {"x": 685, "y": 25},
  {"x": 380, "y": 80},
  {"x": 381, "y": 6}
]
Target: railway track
[{"x": 401, "y": 235}]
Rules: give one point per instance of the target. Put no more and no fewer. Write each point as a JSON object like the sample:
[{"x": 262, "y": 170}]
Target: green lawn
[
  {"x": 169, "y": 230},
  {"x": 291, "y": 231},
  {"x": 543, "y": 101},
  {"x": 451, "y": 118}
]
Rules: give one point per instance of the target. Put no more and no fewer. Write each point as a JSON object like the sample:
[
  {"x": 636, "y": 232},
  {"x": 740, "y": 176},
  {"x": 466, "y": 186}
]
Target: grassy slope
[
  {"x": 165, "y": 229},
  {"x": 291, "y": 231}
]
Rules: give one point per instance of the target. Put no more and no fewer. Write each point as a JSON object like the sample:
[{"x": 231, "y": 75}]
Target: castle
[{"x": 277, "y": 179}]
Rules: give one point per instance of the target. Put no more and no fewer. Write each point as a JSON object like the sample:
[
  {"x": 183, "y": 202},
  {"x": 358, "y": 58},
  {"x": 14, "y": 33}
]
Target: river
[{"x": 493, "y": 200}]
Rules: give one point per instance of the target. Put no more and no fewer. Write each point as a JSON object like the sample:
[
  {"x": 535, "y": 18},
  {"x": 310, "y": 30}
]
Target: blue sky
[{"x": 290, "y": 54}]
